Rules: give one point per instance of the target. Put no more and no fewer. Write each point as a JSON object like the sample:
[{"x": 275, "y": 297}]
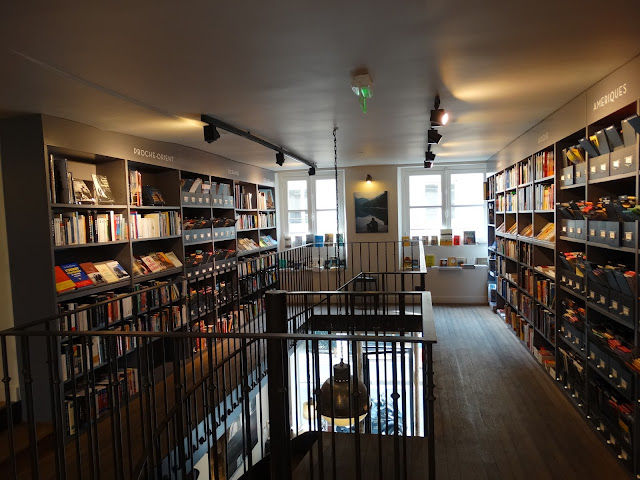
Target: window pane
[
  {"x": 298, "y": 222},
  {"x": 425, "y": 221},
  {"x": 326, "y": 221},
  {"x": 466, "y": 189},
  {"x": 425, "y": 190},
  {"x": 326, "y": 194},
  {"x": 297, "y": 194},
  {"x": 469, "y": 218}
]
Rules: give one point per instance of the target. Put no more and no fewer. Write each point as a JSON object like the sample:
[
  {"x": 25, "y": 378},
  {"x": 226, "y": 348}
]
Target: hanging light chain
[{"x": 335, "y": 168}]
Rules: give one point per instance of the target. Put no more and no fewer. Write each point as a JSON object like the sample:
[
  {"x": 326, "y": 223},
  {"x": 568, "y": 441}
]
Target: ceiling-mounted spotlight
[
  {"x": 279, "y": 158},
  {"x": 211, "y": 133},
  {"x": 438, "y": 116},
  {"x": 428, "y": 164},
  {"x": 433, "y": 137},
  {"x": 312, "y": 171},
  {"x": 369, "y": 179},
  {"x": 429, "y": 156}
]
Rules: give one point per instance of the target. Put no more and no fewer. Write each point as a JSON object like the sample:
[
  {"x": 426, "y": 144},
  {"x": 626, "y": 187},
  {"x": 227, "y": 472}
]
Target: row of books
[
  {"x": 544, "y": 197},
  {"x": 96, "y": 317},
  {"x": 155, "y": 262},
  {"x": 544, "y": 164},
  {"x": 525, "y": 172},
  {"x": 65, "y": 188},
  {"x": 155, "y": 224},
  {"x": 80, "y": 409},
  {"x": 246, "y": 221},
  {"x": 510, "y": 178},
  {"x": 265, "y": 199},
  {"x": 243, "y": 198},
  {"x": 76, "y": 228},
  {"x": 267, "y": 241},
  {"x": 545, "y": 321},
  {"x": 71, "y": 276},
  {"x": 547, "y": 233},
  {"x": 266, "y": 220},
  {"x": 256, "y": 264},
  {"x": 506, "y": 202},
  {"x": 163, "y": 294},
  {"x": 507, "y": 247},
  {"x": 247, "y": 244},
  {"x": 255, "y": 283},
  {"x": 524, "y": 199},
  {"x": 546, "y": 292}
]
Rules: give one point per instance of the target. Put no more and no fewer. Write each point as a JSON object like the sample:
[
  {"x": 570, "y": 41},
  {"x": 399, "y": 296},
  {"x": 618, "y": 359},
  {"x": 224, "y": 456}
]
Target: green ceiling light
[{"x": 362, "y": 86}]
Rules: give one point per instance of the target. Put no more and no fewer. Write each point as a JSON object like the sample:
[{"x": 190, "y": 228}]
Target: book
[
  {"x": 62, "y": 187},
  {"x": 613, "y": 136},
  {"x": 152, "y": 196},
  {"x": 93, "y": 273},
  {"x": 81, "y": 192},
  {"x": 603, "y": 143},
  {"x": 452, "y": 262},
  {"x": 77, "y": 275},
  {"x": 429, "y": 260},
  {"x": 63, "y": 282},
  {"x": 469, "y": 237},
  {"x": 195, "y": 186},
  {"x": 150, "y": 262},
  {"x": 117, "y": 269},
  {"x": 185, "y": 184},
  {"x": 172, "y": 257},
  {"x": 106, "y": 272},
  {"x": 162, "y": 260},
  {"x": 101, "y": 189},
  {"x": 328, "y": 238}
]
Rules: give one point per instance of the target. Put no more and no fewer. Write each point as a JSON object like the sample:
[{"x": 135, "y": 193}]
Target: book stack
[
  {"x": 247, "y": 245},
  {"x": 72, "y": 276},
  {"x": 267, "y": 241},
  {"x": 548, "y": 233},
  {"x": 135, "y": 188},
  {"x": 155, "y": 262}
]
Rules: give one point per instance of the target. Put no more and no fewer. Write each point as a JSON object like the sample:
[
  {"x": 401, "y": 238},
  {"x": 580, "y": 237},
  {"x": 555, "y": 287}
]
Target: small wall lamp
[{"x": 369, "y": 179}]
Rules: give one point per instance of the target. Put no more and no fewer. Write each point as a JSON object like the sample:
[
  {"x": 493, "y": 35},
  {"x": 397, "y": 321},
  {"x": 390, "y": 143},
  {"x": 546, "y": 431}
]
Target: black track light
[
  {"x": 312, "y": 171},
  {"x": 433, "y": 137},
  {"x": 438, "y": 116},
  {"x": 211, "y": 133},
  {"x": 428, "y": 164},
  {"x": 429, "y": 156},
  {"x": 279, "y": 158}
]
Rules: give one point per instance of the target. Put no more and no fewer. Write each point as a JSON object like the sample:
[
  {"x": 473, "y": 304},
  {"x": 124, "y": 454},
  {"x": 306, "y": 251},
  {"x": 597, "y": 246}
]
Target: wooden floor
[{"x": 499, "y": 415}]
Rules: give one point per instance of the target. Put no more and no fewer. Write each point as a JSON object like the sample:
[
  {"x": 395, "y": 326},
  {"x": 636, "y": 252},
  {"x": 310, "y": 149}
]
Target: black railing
[{"x": 158, "y": 382}]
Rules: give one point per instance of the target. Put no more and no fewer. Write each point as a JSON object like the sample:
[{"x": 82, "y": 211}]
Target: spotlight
[
  {"x": 433, "y": 137},
  {"x": 280, "y": 158},
  {"x": 438, "y": 116},
  {"x": 428, "y": 164},
  {"x": 429, "y": 156},
  {"x": 312, "y": 171},
  {"x": 211, "y": 133},
  {"x": 369, "y": 179}
]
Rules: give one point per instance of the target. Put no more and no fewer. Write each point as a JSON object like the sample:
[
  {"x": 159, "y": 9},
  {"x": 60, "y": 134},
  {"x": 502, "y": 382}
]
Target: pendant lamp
[{"x": 351, "y": 402}]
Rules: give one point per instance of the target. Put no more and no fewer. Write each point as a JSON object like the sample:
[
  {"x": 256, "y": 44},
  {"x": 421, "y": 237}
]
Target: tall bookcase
[
  {"x": 568, "y": 297},
  {"x": 29, "y": 147}
]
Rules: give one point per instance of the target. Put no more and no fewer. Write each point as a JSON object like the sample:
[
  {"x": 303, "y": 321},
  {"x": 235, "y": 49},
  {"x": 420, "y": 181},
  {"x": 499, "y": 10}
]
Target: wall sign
[
  {"x": 149, "y": 154},
  {"x": 610, "y": 97}
]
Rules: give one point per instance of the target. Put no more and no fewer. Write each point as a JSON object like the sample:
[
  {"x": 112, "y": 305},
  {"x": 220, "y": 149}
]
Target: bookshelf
[
  {"x": 136, "y": 222},
  {"x": 567, "y": 260}
]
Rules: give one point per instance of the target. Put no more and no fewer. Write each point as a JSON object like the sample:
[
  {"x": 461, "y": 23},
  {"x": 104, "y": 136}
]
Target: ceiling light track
[{"x": 249, "y": 136}]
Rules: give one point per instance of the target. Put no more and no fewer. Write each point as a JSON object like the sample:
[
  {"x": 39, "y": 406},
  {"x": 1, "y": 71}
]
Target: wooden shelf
[
  {"x": 151, "y": 207},
  {"x": 154, "y": 239},
  {"x": 161, "y": 273},
  {"x": 544, "y": 179},
  {"x": 87, "y": 245},
  {"x": 84, "y": 206},
  {"x": 83, "y": 292}
]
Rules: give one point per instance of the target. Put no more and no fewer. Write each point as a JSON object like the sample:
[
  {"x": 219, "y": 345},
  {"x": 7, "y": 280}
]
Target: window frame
[
  {"x": 282, "y": 179},
  {"x": 447, "y": 206}
]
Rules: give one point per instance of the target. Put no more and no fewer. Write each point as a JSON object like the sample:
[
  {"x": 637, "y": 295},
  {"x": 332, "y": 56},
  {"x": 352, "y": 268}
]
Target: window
[
  {"x": 446, "y": 198},
  {"x": 310, "y": 202}
]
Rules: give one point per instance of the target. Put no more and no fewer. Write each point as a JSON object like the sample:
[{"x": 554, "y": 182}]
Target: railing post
[
  {"x": 278, "y": 368},
  {"x": 181, "y": 461},
  {"x": 430, "y": 405}
]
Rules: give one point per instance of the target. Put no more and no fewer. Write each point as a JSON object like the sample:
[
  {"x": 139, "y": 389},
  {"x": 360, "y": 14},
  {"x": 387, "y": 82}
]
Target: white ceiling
[{"x": 281, "y": 69}]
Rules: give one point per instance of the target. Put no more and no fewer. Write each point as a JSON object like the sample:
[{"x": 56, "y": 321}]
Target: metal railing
[{"x": 158, "y": 382}]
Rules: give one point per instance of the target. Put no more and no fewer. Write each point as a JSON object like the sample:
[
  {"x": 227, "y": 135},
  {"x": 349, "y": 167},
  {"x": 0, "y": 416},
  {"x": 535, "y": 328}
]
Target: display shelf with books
[
  {"x": 584, "y": 261},
  {"x": 153, "y": 186}
]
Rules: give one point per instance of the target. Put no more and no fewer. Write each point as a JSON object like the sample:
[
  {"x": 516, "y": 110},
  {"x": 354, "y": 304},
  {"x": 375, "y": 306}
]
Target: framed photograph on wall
[{"x": 372, "y": 212}]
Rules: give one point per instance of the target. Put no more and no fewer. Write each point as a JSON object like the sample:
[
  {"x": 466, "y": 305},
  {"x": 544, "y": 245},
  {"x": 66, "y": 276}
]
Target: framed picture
[{"x": 372, "y": 212}]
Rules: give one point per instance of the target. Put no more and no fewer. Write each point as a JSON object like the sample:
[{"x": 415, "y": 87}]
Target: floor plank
[{"x": 498, "y": 414}]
